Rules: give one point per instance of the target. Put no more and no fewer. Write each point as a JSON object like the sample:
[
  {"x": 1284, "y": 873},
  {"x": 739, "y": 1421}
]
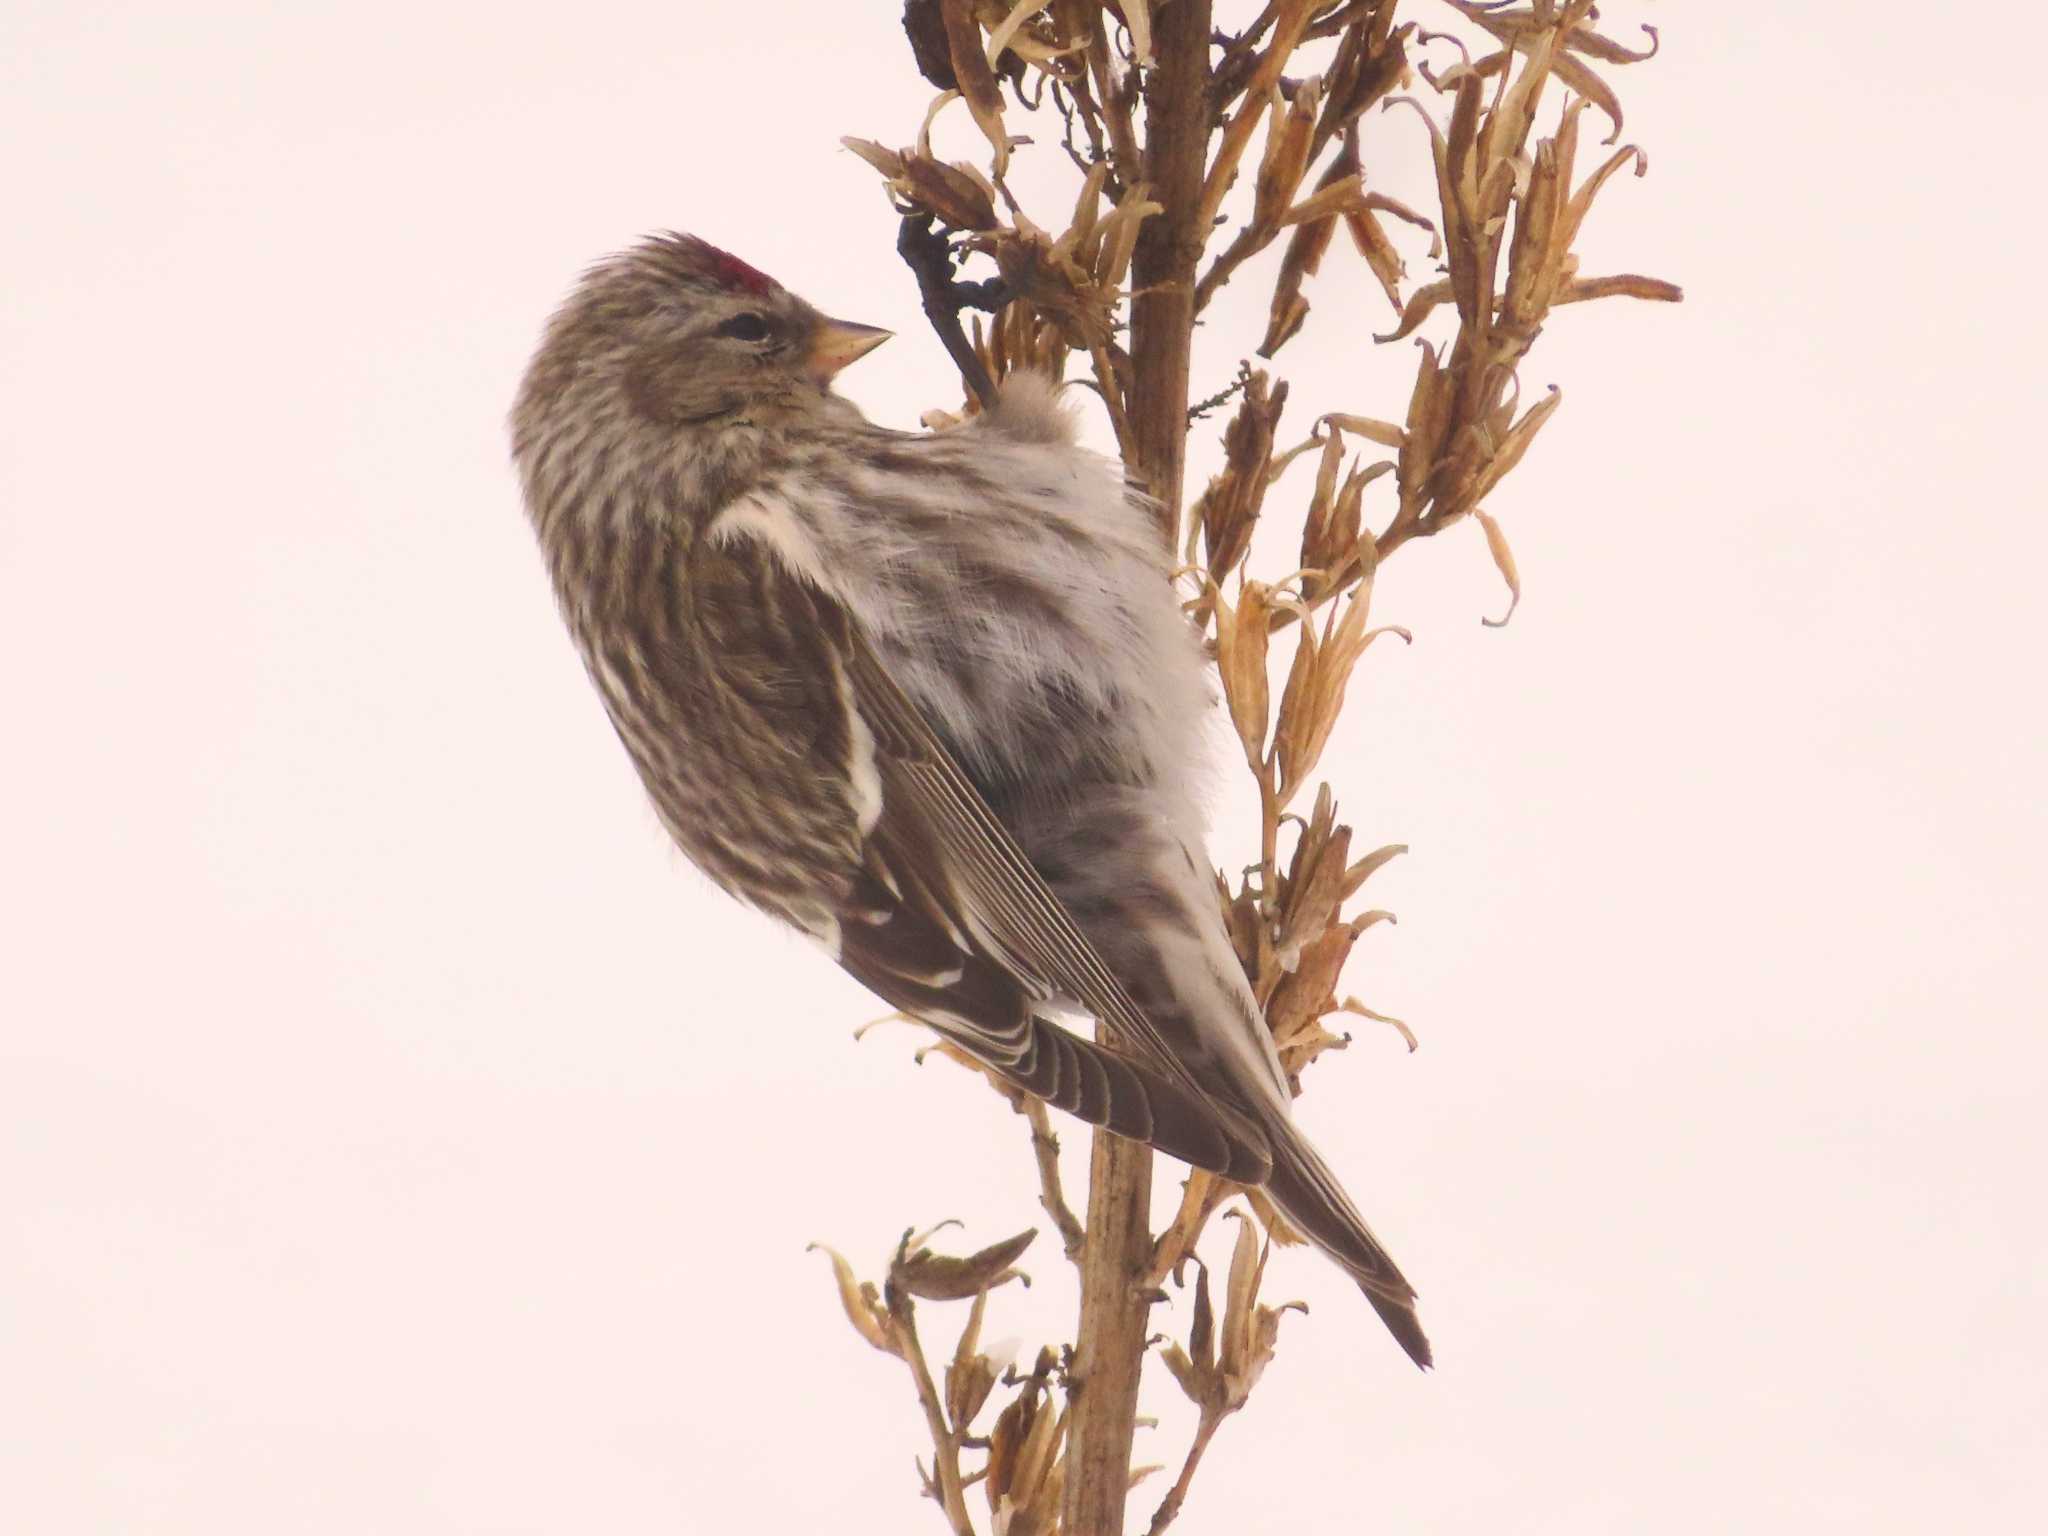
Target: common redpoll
[{"x": 928, "y": 697}]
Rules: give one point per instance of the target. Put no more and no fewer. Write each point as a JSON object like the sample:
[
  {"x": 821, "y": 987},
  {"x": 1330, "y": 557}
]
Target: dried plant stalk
[
  {"x": 1109, "y": 1349},
  {"x": 1171, "y": 125}
]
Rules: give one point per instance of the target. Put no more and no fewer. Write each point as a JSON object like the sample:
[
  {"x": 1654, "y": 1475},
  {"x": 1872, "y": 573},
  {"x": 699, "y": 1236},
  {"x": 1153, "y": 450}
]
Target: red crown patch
[{"x": 730, "y": 272}]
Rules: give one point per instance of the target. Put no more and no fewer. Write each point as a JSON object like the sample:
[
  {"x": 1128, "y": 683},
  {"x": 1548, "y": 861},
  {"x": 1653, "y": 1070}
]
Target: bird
[{"x": 930, "y": 698}]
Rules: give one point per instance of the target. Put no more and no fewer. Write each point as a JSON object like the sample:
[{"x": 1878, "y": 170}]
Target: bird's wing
[
  {"x": 948, "y": 920},
  {"x": 937, "y": 835},
  {"x": 989, "y": 903}
]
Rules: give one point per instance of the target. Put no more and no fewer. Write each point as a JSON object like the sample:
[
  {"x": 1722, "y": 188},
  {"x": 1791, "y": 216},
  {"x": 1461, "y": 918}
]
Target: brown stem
[
  {"x": 1203, "y": 1193},
  {"x": 945, "y": 1443},
  {"x": 1168, "y": 249},
  {"x": 1116, "y": 106},
  {"x": 1269, "y": 834},
  {"x": 1250, "y": 240},
  {"x": 1109, "y": 1350},
  {"x": 1169, "y": 1507},
  {"x": 1045, "y": 1147},
  {"x": 925, "y": 251}
]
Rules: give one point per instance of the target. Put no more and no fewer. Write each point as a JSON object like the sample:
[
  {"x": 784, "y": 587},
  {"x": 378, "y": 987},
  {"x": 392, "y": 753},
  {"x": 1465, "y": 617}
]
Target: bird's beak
[{"x": 839, "y": 342}]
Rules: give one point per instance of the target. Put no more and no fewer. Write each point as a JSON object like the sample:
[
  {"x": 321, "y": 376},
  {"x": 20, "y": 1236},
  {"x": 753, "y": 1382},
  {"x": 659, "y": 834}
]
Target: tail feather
[
  {"x": 1125, "y": 1095},
  {"x": 1309, "y": 1196}
]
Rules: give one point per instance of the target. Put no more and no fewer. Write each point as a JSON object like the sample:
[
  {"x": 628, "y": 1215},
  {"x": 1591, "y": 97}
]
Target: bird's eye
[{"x": 745, "y": 327}]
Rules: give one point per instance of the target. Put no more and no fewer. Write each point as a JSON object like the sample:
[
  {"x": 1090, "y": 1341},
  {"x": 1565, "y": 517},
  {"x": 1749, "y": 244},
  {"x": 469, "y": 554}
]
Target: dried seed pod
[
  {"x": 1290, "y": 126},
  {"x": 1369, "y": 237},
  {"x": 975, "y": 77},
  {"x": 1291, "y": 19},
  {"x": 1046, "y": 278},
  {"x": 1308, "y": 991},
  {"x": 1314, "y": 887},
  {"x": 1227, "y": 511},
  {"x": 1316, "y": 686},
  {"x": 941, "y": 1277},
  {"x": 925, "y": 25},
  {"x": 1428, "y": 422},
  {"x": 1509, "y": 453},
  {"x": 971, "y": 1375},
  {"x": 1527, "y": 30},
  {"x": 1021, "y": 1448},
  {"x": 1371, "y": 61},
  {"x": 1194, "y": 1367},
  {"x": 1289, "y": 310},
  {"x": 1247, "y": 1268},
  {"x": 1303, "y": 257},
  {"x": 958, "y": 195},
  {"x": 1322, "y": 510},
  {"x": 1241, "y": 638},
  {"x": 1137, "y": 17},
  {"x": 1250, "y": 1331}
]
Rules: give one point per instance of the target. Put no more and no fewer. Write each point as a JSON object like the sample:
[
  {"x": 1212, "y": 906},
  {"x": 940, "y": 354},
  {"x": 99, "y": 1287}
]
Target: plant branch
[
  {"x": 925, "y": 251},
  {"x": 1169, "y": 1507},
  {"x": 1169, "y": 247},
  {"x": 1110, "y": 1343},
  {"x": 945, "y": 1444},
  {"x": 1045, "y": 1147}
]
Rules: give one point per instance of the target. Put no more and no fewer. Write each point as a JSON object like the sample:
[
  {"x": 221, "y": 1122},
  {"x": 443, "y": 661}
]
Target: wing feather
[{"x": 955, "y": 884}]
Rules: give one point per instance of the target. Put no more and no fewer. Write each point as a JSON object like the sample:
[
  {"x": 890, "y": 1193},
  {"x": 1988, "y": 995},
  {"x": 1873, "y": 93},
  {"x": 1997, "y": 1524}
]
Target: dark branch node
[{"x": 928, "y": 255}]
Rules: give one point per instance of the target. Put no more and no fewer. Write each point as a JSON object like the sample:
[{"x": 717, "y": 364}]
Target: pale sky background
[{"x": 395, "y": 1136}]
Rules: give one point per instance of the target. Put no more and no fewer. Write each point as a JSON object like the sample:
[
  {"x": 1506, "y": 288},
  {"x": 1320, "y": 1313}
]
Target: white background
[{"x": 396, "y": 1136}]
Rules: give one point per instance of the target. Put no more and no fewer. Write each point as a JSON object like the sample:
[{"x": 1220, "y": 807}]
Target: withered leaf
[
  {"x": 1385, "y": 433},
  {"x": 1504, "y": 562},
  {"x": 1353, "y": 1005},
  {"x": 1420, "y": 303},
  {"x": 863, "y": 1306},
  {"x": 1626, "y": 285},
  {"x": 1362, "y": 871}
]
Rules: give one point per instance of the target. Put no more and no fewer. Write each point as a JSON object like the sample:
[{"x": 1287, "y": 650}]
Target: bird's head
[{"x": 678, "y": 336}]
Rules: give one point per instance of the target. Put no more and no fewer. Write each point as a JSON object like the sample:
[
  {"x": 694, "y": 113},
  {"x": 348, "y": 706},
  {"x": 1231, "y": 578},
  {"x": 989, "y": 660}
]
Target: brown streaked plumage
[{"x": 929, "y": 698}]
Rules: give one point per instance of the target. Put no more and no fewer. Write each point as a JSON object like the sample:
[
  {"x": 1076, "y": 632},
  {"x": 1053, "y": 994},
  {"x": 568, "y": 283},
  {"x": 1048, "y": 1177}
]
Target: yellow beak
[{"x": 839, "y": 342}]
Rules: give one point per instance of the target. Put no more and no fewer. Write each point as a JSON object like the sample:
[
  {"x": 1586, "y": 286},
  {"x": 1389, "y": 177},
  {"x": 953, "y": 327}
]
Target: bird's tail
[{"x": 1312, "y": 1200}]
